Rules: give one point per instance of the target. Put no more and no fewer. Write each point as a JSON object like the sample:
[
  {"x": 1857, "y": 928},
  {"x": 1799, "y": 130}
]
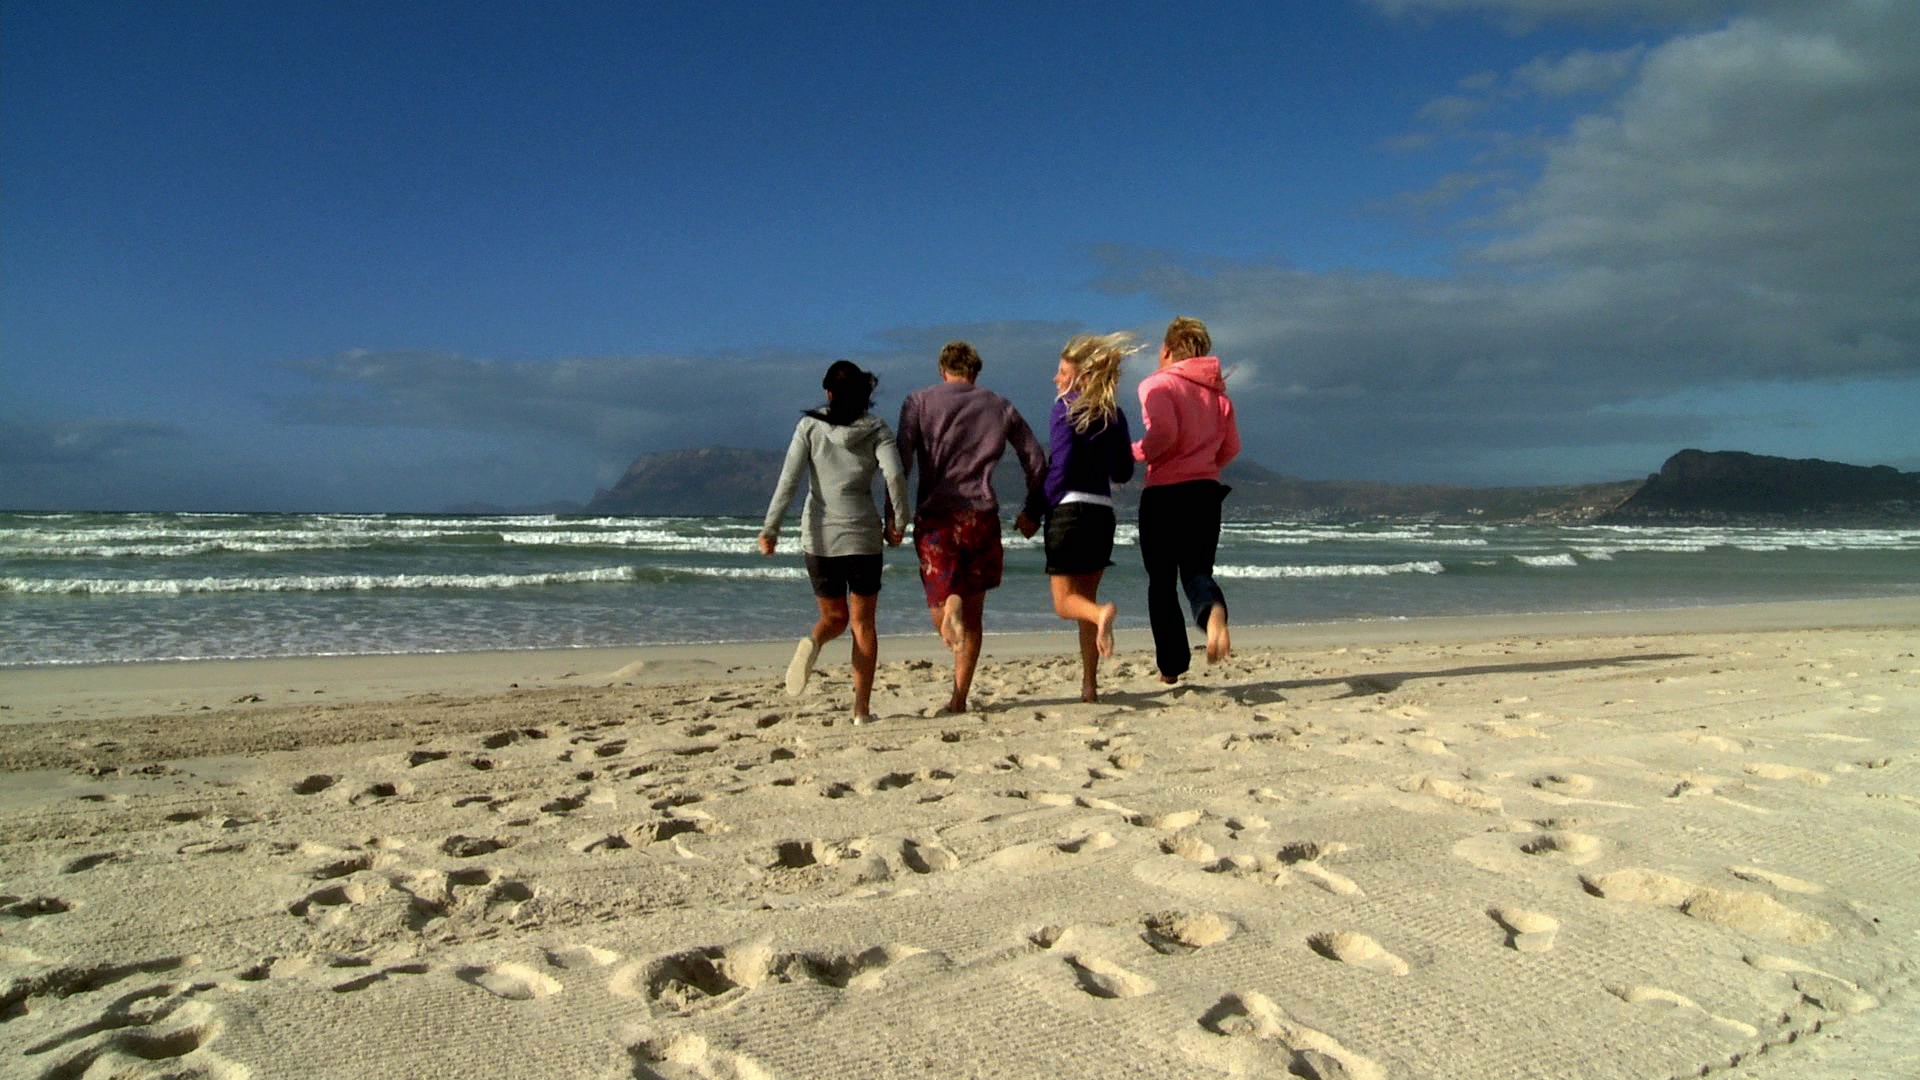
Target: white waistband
[{"x": 1084, "y": 497}]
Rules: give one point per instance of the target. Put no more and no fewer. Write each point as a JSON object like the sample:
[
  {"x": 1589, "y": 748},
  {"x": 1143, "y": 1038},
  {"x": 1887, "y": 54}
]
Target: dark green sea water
[{"x": 84, "y": 588}]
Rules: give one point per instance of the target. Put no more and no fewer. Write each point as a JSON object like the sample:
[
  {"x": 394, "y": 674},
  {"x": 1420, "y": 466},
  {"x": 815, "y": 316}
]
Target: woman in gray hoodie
[{"x": 838, "y": 448}]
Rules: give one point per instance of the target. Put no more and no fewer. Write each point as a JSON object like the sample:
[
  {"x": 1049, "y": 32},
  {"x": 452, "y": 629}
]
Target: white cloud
[
  {"x": 1579, "y": 72},
  {"x": 1523, "y": 14},
  {"x": 618, "y": 406},
  {"x": 1743, "y": 210}
]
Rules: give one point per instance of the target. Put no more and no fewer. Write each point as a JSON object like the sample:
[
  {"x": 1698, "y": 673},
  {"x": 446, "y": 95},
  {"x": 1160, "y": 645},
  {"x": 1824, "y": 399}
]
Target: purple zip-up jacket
[
  {"x": 1092, "y": 460},
  {"x": 952, "y": 434}
]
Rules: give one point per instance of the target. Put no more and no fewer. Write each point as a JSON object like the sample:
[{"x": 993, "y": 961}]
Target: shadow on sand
[{"x": 1361, "y": 685}]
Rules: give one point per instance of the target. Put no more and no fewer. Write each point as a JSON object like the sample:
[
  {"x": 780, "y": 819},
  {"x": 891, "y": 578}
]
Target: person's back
[
  {"x": 954, "y": 433},
  {"x": 959, "y": 431},
  {"x": 839, "y": 517},
  {"x": 1189, "y": 431}
]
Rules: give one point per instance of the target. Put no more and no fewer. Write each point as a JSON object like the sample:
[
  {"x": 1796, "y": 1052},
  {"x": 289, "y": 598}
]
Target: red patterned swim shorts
[{"x": 960, "y": 553}]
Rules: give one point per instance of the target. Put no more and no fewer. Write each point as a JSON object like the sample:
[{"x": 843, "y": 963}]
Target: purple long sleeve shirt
[
  {"x": 1092, "y": 460},
  {"x": 952, "y": 435}
]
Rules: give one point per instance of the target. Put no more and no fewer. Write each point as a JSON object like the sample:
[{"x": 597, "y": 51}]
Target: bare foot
[
  {"x": 1219, "y": 642},
  {"x": 1089, "y": 693},
  {"x": 1103, "y": 643},
  {"x": 956, "y": 704},
  {"x": 952, "y": 631},
  {"x": 1169, "y": 679}
]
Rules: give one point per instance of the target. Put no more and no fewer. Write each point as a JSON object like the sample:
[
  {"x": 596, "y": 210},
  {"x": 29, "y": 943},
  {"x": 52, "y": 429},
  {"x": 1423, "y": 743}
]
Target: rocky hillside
[
  {"x": 1732, "y": 487},
  {"x": 720, "y": 480}
]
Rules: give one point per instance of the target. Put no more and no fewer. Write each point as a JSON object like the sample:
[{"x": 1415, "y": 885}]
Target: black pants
[{"x": 1179, "y": 534}]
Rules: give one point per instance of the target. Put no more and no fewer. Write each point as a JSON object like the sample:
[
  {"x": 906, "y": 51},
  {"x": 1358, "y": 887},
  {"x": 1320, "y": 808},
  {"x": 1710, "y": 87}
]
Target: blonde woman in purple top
[{"x": 1091, "y": 451}]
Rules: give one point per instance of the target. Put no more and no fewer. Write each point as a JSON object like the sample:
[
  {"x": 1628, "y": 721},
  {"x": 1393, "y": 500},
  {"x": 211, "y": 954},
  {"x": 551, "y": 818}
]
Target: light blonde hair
[
  {"x": 960, "y": 358},
  {"x": 1187, "y": 337},
  {"x": 1096, "y": 363}
]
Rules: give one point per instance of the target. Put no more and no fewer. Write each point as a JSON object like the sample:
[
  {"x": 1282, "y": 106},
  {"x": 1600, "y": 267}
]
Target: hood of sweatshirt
[
  {"x": 1201, "y": 371},
  {"x": 856, "y": 435}
]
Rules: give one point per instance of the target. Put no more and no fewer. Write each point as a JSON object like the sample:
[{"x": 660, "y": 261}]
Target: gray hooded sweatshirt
[{"x": 838, "y": 461}]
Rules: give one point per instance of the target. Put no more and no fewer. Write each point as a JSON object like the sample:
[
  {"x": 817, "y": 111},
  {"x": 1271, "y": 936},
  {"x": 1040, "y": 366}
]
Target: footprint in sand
[
  {"x": 712, "y": 976},
  {"x": 1747, "y": 912},
  {"x": 1768, "y": 771},
  {"x": 315, "y": 784},
  {"x": 1776, "y": 879},
  {"x": 1034, "y": 856},
  {"x": 1304, "y": 858},
  {"x": 1565, "y": 783},
  {"x": 688, "y": 1056},
  {"x": 472, "y": 847},
  {"x": 601, "y": 845},
  {"x": 422, "y": 757},
  {"x": 88, "y": 862},
  {"x": 515, "y": 982},
  {"x": 326, "y": 906},
  {"x": 1189, "y": 847},
  {"x": 1822, "y": 989},
  {"x": 927, "y": 857},
  {"x": 1178, "y": 932},
  {"x": 501, "y": 739},
  {"x": 374, "y": 794},
  {"x": 1258, "y": 1027},
  {"x": 1577, "y": 849},
  {"x": 1103, "y": 978},
  {"x": 578, "y": 957},
  {"x": 1666, "y": 999},
  {"x": 1359, "y": 950},
  {"x": 1527, "y": 931},
  {"x": 1448, "y": 791},
  {"x": 383, "y": 975},
  {"x": 1169, "y": 822},
  {"x": 146, "y": 1033}
]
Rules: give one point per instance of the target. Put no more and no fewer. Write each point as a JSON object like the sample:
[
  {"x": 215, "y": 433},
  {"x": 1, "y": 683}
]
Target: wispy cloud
[{"x": 92, "y": 441}]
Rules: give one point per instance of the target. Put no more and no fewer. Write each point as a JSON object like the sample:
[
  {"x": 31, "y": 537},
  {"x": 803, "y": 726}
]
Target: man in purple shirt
[{"x": 953, "y": 433}]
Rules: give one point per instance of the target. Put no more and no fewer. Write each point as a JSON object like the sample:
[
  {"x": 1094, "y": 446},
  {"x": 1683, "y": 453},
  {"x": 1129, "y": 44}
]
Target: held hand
[
  {"x": 766, "y": 544},
  {"x": 1026, "y": 525},
  {"x": 894, "y": 536}
]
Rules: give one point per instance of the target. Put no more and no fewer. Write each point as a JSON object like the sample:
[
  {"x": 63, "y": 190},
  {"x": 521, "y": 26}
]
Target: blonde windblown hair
[{"x": 1096, "y": 363}]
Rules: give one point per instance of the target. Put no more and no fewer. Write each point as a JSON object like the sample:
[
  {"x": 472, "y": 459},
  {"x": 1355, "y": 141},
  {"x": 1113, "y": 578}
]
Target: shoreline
[{"x": 118, "y": 691}]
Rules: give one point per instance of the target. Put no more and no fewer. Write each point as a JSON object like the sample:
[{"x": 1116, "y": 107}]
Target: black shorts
[
  {"x": 1079, "y": 538},
  {"x": 834, "y": 576}
]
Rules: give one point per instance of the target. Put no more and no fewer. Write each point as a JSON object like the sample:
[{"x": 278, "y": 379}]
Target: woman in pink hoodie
[{"x": 1188, "y": 435}]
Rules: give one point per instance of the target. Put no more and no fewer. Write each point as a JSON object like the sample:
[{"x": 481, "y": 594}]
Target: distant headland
[{"x": 1693, "y": 487}]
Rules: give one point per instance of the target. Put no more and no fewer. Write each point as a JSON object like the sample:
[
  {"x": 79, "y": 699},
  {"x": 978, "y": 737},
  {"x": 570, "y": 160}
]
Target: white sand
[{"x": 1635, "y": 845}]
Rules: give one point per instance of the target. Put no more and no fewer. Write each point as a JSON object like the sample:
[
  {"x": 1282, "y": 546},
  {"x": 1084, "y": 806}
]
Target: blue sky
[{"x": 397, "y": 256}]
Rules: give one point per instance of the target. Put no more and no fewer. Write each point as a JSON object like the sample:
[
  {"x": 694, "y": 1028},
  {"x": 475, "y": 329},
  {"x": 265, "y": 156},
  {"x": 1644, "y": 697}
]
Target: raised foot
[
  {"x": 1219, "y": 641},
  {"x": 1103, "y": 638}
]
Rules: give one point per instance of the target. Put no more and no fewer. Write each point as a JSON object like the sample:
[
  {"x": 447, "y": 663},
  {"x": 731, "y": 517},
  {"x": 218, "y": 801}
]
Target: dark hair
[
  {"x": 849, "y": 390},
  {"x": 960, "y": 358}
]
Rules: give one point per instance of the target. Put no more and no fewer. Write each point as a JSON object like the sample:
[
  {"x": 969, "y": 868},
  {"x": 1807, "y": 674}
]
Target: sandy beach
[{"x": 1625, "y": 845}]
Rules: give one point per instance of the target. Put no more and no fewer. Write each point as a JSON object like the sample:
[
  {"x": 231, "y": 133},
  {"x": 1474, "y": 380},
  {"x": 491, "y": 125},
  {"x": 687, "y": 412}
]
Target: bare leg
[
  {"x": 833, "y": 619},
  {"x": 1219, "y": 642},
  {"x": 950, "y": 623},
  {"x": 866, "y": 651},
  {"x": 967, "y": 657},
  {"x": 1073, "y": 598},
  {"x": 830, "y": 624}
]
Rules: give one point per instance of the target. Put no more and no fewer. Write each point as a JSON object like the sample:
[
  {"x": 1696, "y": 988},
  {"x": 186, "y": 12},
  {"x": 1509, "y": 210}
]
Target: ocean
[{"x": 84, "y": 588}]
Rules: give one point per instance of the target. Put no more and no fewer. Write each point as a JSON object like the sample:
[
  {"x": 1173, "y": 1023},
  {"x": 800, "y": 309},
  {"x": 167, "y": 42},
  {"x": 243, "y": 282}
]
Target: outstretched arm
[
  {"x": 887, "y": 450},
  {"x": 1033, "y": 462},
  {"x": 790, "y": 473}
]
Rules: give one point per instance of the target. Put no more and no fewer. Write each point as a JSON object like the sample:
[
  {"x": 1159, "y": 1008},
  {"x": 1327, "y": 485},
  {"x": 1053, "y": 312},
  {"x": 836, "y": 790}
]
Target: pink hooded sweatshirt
[{"x": 1189, "y": 430}]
